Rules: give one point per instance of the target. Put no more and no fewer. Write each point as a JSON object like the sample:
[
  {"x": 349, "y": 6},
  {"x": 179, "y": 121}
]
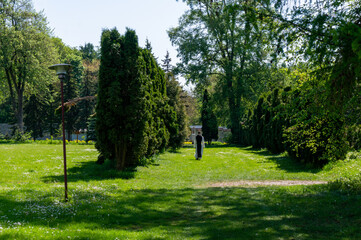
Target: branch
[{"x": 73, "y": 102}]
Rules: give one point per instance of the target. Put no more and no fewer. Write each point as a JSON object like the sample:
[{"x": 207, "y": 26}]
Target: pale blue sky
[{"x": 78, "y": 22}]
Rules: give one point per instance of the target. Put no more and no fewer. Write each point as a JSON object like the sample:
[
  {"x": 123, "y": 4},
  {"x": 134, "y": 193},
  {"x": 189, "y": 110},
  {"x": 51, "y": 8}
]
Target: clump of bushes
[
  {"x": 296, "y": 121},
  {"x": 353, "y": 134},
  {"x": 316, "y": 141}
]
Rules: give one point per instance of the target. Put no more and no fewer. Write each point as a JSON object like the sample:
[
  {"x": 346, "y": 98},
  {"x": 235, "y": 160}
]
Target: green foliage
[
  {"x": 277, "y": 121},
  {"x": 26, "y": 52},
  {"x": 258, "y": 124},
  {"x": 134, "y": 119},
  {"x": 295, "y": 121},
  {"x": 88, "y": 52},
  {"x": 209, "y": 120},
  {"x": 6, "y": 113},
  {"x": 178, "y": 132},
  {"x": 162, "y": 118},
  {"x": 224, "y": 39},
  {"x": 91, "y": 133},
  {"x": 88, "y": 87},
  {"x": 177, "y": 116},
  {"x": 52, "y": 102},
  {"x": 316, "y": 141},
  {"x": 263, "y": 128},
  {"x": 107, "y": 73},
  {"x": 347, "y": 174},
  {"x": 72, "y": 85},
  {"x": 353, "y": 133},
  {"x": 19, "y": 136},
  {"x": 34, "y": 116},
  {"x": 316, "y": 134},
  {"x": 350, "y": 184},
  {"x": 330, "y": 43}
]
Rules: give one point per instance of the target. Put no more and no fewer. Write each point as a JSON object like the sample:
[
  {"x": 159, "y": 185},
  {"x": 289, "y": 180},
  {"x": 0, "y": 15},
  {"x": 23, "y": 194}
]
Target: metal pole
[{"x": 64, "y": 143}]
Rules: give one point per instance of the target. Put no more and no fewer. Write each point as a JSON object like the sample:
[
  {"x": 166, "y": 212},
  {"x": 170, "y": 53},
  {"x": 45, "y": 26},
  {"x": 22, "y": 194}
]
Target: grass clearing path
[{"x": 175, "y": 198}]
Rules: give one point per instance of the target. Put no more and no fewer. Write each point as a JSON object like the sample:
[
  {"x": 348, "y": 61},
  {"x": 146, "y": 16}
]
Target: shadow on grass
[
  {"x": 211, "y": 213},
  {"x": 90, "y": 171},
  {"x": 284, "y": 162},
  {"x": 213, "y": 146}
]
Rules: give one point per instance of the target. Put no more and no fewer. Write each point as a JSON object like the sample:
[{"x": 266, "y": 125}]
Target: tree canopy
[
  {"x": 223, "y": 38},
  {"x": 25, "y": 52}
]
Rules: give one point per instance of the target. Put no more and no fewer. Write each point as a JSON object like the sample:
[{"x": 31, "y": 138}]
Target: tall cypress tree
[
  {"x": 121, "y": 110},
  {"x": 178, "y": 130},
  {"x": 209, "y": 120},
  {"x": 52, "y": 120},
  {"x": 174, "y": 94},
  {"x": 134, "y": 112},
  {"x": 134, "y": 118},
  {"x": 157, "y": 130},
  {"x": 34, "y": 117},
  {"x": 108, "y": 71}
]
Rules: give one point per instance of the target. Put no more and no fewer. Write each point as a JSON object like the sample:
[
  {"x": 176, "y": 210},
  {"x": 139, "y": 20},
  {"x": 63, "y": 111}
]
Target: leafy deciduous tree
[
  {"x": 223, "y": 38},
  {"x": 25, "y": 52}
]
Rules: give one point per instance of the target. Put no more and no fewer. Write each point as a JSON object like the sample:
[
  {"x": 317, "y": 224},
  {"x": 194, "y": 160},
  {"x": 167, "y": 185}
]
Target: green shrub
[
  {"x": 19, "y": 136},
  {"x": 316, "y": 141},
  {"x": 353, "y": 134}
]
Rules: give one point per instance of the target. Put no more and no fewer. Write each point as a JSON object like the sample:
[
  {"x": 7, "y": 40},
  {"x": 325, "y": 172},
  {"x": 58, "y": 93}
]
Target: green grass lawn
[{"x": 171, "y": 199}]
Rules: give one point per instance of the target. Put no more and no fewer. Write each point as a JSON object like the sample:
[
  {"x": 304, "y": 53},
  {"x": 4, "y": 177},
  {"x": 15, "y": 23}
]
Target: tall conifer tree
[
  {"x": 132, "y": 111},
  {"x": 209, "y": 120},
  {"x": 34, "y": 117}
]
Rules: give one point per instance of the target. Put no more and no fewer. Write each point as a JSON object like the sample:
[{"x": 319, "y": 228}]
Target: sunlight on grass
[{"x": 167, "y": 200}]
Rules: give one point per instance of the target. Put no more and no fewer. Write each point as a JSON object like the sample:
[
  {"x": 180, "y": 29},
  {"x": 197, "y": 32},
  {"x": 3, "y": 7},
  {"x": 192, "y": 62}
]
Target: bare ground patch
[{"x": 250, "y": 183}]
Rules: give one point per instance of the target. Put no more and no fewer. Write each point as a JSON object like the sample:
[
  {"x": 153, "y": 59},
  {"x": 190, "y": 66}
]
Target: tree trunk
[
  {"x": 120, "y": 154},
  {"x": 69, "y": 135},
  {"x": 19, "y": 90},
  {"x": 20, "y": 112},
  {"x": 233, "y": 108}
]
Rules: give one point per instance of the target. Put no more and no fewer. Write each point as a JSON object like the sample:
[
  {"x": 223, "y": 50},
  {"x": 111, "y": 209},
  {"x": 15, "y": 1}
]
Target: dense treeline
[
  {"x": 30, "y": 92},
  {"x": 293, "y": 120},
  {"x": 283, "y": 75}
]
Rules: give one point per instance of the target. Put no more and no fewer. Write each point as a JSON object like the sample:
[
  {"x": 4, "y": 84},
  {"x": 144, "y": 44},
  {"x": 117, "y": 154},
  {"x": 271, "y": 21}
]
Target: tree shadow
[
  {"x": 284, "y": 162},
  {"x": 219, "y": 145},
  {"x": 209, "y": 213},
  {"x": 213, "y": 146},
  {"x": 90, "y": 171}
]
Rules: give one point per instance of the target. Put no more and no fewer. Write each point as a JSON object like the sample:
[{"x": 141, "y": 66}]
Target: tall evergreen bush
[
  {"x": 132, "y": 112},
  {"x": 209, "y": 120}
]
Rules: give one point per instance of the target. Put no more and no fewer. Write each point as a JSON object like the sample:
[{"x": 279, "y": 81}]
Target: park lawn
[{"x": 170, "y": 199}]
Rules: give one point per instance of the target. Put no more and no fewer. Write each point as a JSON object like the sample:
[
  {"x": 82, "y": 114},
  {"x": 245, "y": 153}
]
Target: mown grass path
[{"x": 174, "y": 198}]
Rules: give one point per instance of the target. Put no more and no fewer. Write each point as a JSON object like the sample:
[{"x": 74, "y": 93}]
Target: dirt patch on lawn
[{"x": 250, "y": 183}]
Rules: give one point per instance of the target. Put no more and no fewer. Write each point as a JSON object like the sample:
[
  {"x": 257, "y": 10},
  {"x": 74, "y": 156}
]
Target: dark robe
[{"x": 199, "y": 146}]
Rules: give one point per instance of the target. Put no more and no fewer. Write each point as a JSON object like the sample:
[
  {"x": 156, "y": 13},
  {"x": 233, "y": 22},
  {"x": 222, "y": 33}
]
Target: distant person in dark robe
[{"x": 199, "y": 144}]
